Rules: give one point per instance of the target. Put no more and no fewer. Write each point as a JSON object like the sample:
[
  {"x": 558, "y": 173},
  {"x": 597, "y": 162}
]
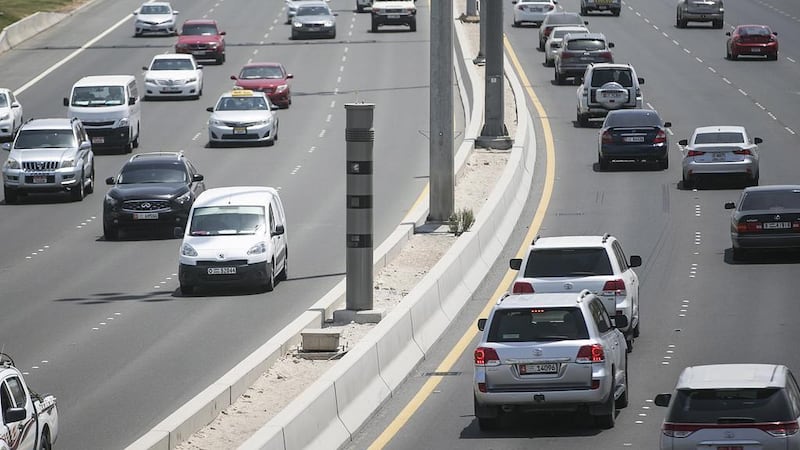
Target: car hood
[
  {"x": 314, "y": 19},
  {"x": 241, "y": 116},
  {"x": 229, "y": 246},
  {"x": 199, "y": 38},
  {"x": 155, "y": 18},
  {"x": 260, "y": 83},
  {"x": 171, "y": 74},
  {"x": 161, "y": 191},
  {"x": 106, "y": 113},
  {"x": 41, "y": 154}
]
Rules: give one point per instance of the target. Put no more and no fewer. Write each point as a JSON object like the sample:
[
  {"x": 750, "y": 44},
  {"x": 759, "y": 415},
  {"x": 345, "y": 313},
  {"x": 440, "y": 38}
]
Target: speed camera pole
[
  {"x": 494, "y": 133},
  {"x": 441, "y": 165}
]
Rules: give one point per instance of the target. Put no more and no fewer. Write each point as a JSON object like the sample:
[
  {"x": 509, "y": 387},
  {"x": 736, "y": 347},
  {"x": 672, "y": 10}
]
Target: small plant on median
[{"x": 461, "y": 221}]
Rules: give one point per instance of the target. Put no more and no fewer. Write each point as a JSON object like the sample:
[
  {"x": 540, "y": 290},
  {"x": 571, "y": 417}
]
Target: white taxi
[{"x": 242, "y": 115}]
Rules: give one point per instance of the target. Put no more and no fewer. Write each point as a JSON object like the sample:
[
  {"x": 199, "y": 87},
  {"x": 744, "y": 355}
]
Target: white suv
[
  {"x": 545, "y": 352},
  {"x": 574, "y": 263},
  {"x": 607, "y": 87}
]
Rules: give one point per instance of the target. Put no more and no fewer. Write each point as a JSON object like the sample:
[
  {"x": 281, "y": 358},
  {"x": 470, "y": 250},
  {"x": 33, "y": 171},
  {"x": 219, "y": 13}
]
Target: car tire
[
  {"x": 269, "y": 283},
  {"x": 603, "y": 163},
  {"x": 773, "y": 57},
  {"x": 622, "y": 401},
  {"x": 754, "y": 181},
  {"x": 584, "y": 12},
  {"x": 734, "y": 56},
  {"x": 45, "y": 443},
  {"x": 636, "y": 332},
  {"x": 559, "y": 79},
  {"x": 79, "y": 192},
  {"x": 90, "y": 187},
  {"x": 717, "y": 24},
  {"x": 515, "y": 24},
  {"x": 359, "y": 9},
  {"x": 485, "y": 424},
  {"x": 583, "y": 120},
  {"x": 284, "y": 273},
  {"x": 135, "y": 143},
  {"x": 541, "y": 46},
  {"x": 663, "y": 164},
  {"x": 687, "y": 182},
  {"x": 413, "y": 25},
  {"x": 616, "y": 12},
  {"x": 374, "y": 26},
  {"x": 11, "y": 196},
  {"x": 608, "y": 419},
  {"x": 110, "y": 233},
  {"x": 629, "y": 343},
  {"x": 728, "y": 55}
]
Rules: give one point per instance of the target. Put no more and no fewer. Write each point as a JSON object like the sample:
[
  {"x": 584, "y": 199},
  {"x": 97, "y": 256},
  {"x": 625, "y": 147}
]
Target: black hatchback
[
  {"x": 635, "y": 135},
  {"x": 152, "y": 190}
]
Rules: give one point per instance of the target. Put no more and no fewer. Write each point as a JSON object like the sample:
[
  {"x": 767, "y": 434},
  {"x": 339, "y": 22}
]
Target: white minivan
[
  {"x": 109, "y": 108},
  {"x": 234, "y": 236}
]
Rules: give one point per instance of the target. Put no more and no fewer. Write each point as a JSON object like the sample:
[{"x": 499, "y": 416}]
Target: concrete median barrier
[
  {"x": 360, "y": 389},
  {"x": 396, "y": 346}
]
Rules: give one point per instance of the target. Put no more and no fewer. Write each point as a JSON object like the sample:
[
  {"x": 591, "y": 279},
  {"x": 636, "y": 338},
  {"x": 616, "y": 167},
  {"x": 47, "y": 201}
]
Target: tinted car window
[
  {"x": 586, "y": 44},
  {"x": 635, "y": 119},
  {"x": 3, "y": 101},
  {"x": 537, "y": 324},
  {"x": 730, "y": 406},
  {"x": 17, "y": 391},
  {"x": 45, "y": 139},
  {"x": 564, "y": 18},
  {"x": 568, "y": 262},
  {"x": 600, "y": 316},
  {"x": 719, "y": 138},
  {"x": 163, "y": 173},
  {"x": 199, "y": 30},
  {"x": 755, "y": 200},
  {"x": 621, "y": 76}
]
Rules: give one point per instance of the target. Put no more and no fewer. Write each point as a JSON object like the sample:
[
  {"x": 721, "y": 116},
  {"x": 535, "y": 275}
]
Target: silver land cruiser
[
  {"x": 700, "y": 11},
  {"x": 606, "y": 87},
  {"x": 49, "y": 155},
  {"x": 550, "y": 352}
]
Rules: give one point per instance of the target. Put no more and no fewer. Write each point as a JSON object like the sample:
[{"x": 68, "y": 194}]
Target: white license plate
[
  {"x": 394, "y": 16},
  {"x": 633, "y": 139},
  {"x": 717, "y": 156},
  {"x": 170, "y": 89},
  {"x": 98, "y": 140},
  {"x": 612, "y": 94},
  {"x": 145, "y": 216},
  {"x": 240, "y": 130},
  {"x": 756, "y": 50},
  {"x": 776, "y": 225},
  {"x": 199, "y": 52},
  {"x": 39, "y": 180},
  {"x": 526, "y": 369},
  {"x": 222, "y": 270}
]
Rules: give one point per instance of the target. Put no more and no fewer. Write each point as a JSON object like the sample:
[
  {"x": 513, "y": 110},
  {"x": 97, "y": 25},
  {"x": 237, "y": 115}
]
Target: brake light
[
  {"x": 486, "y": 356},
  {"x": 743, "y": 151},
  {"x": 679, "y": 430},
  {"x": 606, "y": 55},
  {"x": 695, "y": 153},
  {"x": 661, "y": 137},
  {"x": 748, "y": 227},
  {"x": 590, "y": 354},
  {"x": 606, "y": 138},
  {"x": 780, "y": 429},
  {"x": 567, "y": 55},
  {"x": 522, "y": 287},
  {"x": 614, "y": 287},
  {"x": 547, "y": 31},
  {"x": 776, "y": 429}
]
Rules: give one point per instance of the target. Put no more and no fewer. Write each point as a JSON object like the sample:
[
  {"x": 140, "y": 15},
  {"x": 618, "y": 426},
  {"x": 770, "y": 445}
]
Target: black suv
[{"x": 152, "y": 189}]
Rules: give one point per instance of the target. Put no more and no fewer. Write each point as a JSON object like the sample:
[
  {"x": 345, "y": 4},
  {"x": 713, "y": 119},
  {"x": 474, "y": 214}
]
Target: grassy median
[{"x": 14, "y": 10}]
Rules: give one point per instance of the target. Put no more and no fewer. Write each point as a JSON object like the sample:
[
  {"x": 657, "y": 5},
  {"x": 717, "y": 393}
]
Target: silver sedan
[{"x": 720, "y": 150}]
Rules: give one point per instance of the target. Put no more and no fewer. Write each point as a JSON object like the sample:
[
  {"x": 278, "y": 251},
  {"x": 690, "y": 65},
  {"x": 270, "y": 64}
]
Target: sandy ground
[{"x": 292, "y": 374}]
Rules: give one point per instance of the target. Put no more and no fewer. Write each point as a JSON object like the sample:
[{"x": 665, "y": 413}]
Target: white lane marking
[
  {"x": 670, "y": 132},
  {"x": 211, "y": 10},
  {"x": 726, "y": 80},
  {"x": 255, "y": 51},
  {"x": 687, "y": 50},
  {"x": 322, "y": 133},
  {"x": 249, "y": 60},
  {"x": 649, "y": 105},
  {"x": 328, "y": 119},
  {"x": 335, "y": 91},
  {"x": 712, "y": 69},
  {"x": 311, "y": 150},
  {"x": 790, "y": 130},
  {"x": 676, "y": 42},
  {"x": 260, "y": 42},
  {"x": 333, "y": 103},
  {"x": 772, "y": 115},
  {"x": 196, "y": 136},
  {"x": 341, "y": 68},
  {"x": 266, "y": 35},
  {"x": 352, "y": 25},
  {"x": 271, "y": 27},
  {"x": 760, "y": 106},
  {"x": 344, "y": 58},
  {"x": 742, "y": 92},
  {"x": 790, "y": 59},
  {"x": 647, "y": 20},
  {"x": 345, "y": 49},
  {"x": 338, "y": 79},
  {"x": 349, "y": 33},
  {"x": 665, "y": 34},
  {"x": 637, "y": 12},
  {"x": 205, "y": 16},
  {"x": 296, "y": 169},
  {"x": 656, "y": 27},
  {"x": 275, "y": 21},
  {"x": 698, "y": 59}
]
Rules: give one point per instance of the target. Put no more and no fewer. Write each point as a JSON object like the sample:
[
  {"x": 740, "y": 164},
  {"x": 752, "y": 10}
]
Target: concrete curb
[
  {"x": 432, "y": 305},
  {"x": 30, "y": 26}
]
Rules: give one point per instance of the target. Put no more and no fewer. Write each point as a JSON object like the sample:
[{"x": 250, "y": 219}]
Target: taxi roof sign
[{"x": 242, "y": 93}]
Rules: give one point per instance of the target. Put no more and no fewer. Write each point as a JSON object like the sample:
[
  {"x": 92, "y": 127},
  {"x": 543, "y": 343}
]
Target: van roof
[
  {"x": 98, "y": 80},
  {"x": 234, "y": 195}
]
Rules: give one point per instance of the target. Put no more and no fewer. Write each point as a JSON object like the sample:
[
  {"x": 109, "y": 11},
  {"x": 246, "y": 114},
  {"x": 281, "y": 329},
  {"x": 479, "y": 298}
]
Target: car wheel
[
  {"x": 359, "y": 8},
  {"x": 558, "y": 77},
  {"x": 541, "y": 45},
  {"x": 45, "y": 444},
  {"x": 629, "y": 343},
  {"x": 622, "y": 401},
  {"x": 607, "y": 419},
  {"x": 773, "y": 57},
  {"x": 374, "y": 26},
  {"x": 413, "y": 25},
  {"x": 79, "y": 192},
  {"x": 734, "y": 56},
  {"x": 603, "y": 163},
  {"x": 110, "y": 233},
  {"x": 515, "y": 24},
  {"x": 616, "y": 12},
  {"x": 728, "y": 53},
  {"x": 135, "y": 143},
  {"x": 269, "y": 283},
  {"x": 717, "y": 24},
  {"x": 584, "y": 12},
  {"x": 11, "y": 195},
  {"x": 687, "y": 182},
  {"x": 90, "y": 187},
  {"x": 636, "y": 332},
  {"x": 663, "y": 164},
  {"x": 284, "y": 273},
  {"x": 754, "y": 181},
  {"x": 583, "y": 120},
  {"x": 187, "y": 289}
]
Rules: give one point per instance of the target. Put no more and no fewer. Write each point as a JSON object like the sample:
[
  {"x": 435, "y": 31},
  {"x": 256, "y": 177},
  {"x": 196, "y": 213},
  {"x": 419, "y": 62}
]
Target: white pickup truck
[
  {"x": 394, "y": 12},
  {"x": 30, "y": 420}
]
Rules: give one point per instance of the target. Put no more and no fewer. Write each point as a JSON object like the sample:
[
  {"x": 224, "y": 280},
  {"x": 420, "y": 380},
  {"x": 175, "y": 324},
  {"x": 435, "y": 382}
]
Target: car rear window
[
  {"x": 758, "y": 200},
  {"x": 603, "y": 76},
  {"x": 568, "y": 262},
  {"x": 750, "y": 405},
  {"x": 719, "y": 138},
  {"x": 564, "y": 18},
  {"x": 537, "y": 324},
  {"x": 586, "y": 44},
  {"x": 559, "y": 32},
  {"x": 639, "y": 118}
]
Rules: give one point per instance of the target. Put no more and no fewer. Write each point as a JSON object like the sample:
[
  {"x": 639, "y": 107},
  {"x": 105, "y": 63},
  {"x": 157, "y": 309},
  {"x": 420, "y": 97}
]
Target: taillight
[
  {"x": 695, "y": 153},
  {"x": 486, "y": 356},
  {"x": 606, "y": 138},
  {"x": 743, "y": 151},
  {"x": 679, "y": 430},
  {"x": 595, "y": 384},
  {"x": 748, "y": 227},
  {"x": 606, "y": 55},
  {"x": 661, "y": 137},
  {"x": 551, "y": 7},
  {"x": 547, "y": 31},
  {"x": 780, "y": 429},
  {"x": 567, "y": 55},
  {"x": 522, "y": 287},
  {"x": 590, "y": 354}
]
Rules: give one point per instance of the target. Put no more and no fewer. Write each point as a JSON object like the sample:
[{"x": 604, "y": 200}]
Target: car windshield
[
  {"x": 98, "y": 96},
  {"x": 568, "y": 262},
  {"x": 586, "y": 44},
  {"x": 45, "y": 139},
  {"x": 761, "y": 200},
  {"x": 3, "y": 101},
  {"x": 313, "y": 11},
  {"x": 640, "y": 118},
  {"x": 171, "y": 64},
  {"x": 719, "y": 138},
  {"x": 135, "y": 174},
  {"x": 227, "y": 220},
  {"x": 258, "y": 72},
  {"x": 564, "y": 19},
  {"x": 205, "y": 29},
  {"x": 603, "y": 76},
  {"x": 241, "y": 104},
  {"x": 537, "y": 324},
  {"x": 751, "y": 405},
  {"x": 154, "y": 9}
]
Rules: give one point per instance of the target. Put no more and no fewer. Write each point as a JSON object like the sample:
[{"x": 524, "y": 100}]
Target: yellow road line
[{"x": 461, "y": 346}]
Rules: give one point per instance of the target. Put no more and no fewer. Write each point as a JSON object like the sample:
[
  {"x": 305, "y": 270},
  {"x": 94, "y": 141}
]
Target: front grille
[
  {"x": 50, "y": 179},
  {"x": 102, "y": 123},
  {"x": 235, "y": 137},
  {"x": 233, "y": 262},
  {"x": 198, "y": 46},
  {"x": 170, "y": 82},
  {"x": 38, "y": 166},
  {"x": 239, "y": 124},
  {"x": 145, "y": 205}
]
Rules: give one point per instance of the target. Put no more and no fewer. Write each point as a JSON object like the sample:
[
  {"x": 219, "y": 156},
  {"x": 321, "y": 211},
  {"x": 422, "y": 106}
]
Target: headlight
[
  {"x": 216, "y": 122},
  {"x": 188, "y": 250},
  {"x": 12, "y": 163},
  {"x": 68, "y": 162},
  {"x": 214, "y": 44},
  {"x": 123, "y": 122},
  {"x": 5, "y": 116},
  {"x": 184, "y": 198},
  {"x": 150, "y": 80},
  {"x": 297, "y": 24},
  {"x": 111, "y": 201},
  {"x": 263, "y": 122},
  {"x": 258, "y": 249},
  {"x": 191, "y": 80},
  {"x": 281, "y": 88},
  {"x": 328, "y": 23}
]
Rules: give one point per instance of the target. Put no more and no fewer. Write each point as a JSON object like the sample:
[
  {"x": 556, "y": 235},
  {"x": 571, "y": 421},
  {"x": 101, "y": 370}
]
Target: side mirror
[
  {"x": 85, "y": 145},
  {"x": 482, "y": 322},
  {"x": 758, "y": 140},
  {"x": 730, "y": 205},
  {"x": 199, "y": 66},
  {"x": 610, "y": 45},
  {"x": 683, "y": 142},
  {"x": 274, "y": 107},
  {"x": 513, "y": 2},
  {"x": 222, "y": 33},
  {"x": 635, "y": 261},
  {"x": 15, "y": 105},
  {"x": 175, "y": 13},
  {"x": 515, "y": 263},
  {"x": 233, "y": 77},
  {"x": 210, "y": 109},
  {"x": 620, "y": 321},
  {"x": 667, "y": 124},
  {"x": 135, "y": 12},
  {"x": 727, "y": 33},
  {"x": 662, "y": 399},
  {"x": 110, "y": 181},
  {"x": 279, "y": 230},
  {"x": 640, "y": 80},
  {"x": 335, "y": 14},
  {"x": 774, "y": 33},
  {"x": 177, "y": 232},
  {"x": 66, "y": 101},
  {"x": 145, "y": 68},
  {"x": 131, "y": 100},
  {"x": 586, "y": 22},
  {"x": 16, "y": 415},
  {"x": 197, "y": 177},
  {"x": 6, "y": 146},
  {"x": 289, "y": 75}
]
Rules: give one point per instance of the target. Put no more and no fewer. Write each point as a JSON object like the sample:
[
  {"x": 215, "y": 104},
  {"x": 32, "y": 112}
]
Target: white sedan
[
  {"x": 10, "y": 114},
  {"x": 720, "y": 151},
  {"x": 173, "y": 75},
  {"x": 532, "y": 11}
]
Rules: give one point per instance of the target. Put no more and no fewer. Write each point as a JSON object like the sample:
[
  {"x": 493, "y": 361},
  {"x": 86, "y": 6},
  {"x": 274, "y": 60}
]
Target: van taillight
[
  {"x": 779, "y": 429},
  {"x": 661, "y": 137},
  {"x": 606, "y": 55},
  {"x": 486, "y": 356},
  {"x": 679, "y": 430},
  {"x": 522, "y": 287},
  {"x": 590, "y": 354},
  {"x": 614, "y": 287}
]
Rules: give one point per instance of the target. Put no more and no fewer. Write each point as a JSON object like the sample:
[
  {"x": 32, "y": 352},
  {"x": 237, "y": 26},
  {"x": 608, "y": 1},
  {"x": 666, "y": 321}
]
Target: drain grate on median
[{"x": 440, "y": 374}]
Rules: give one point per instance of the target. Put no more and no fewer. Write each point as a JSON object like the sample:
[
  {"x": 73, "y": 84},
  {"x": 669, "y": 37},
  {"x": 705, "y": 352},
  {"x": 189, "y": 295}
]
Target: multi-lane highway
[
  {"x": 102, "y": 324},
  {"x": 697, "y": 305}
]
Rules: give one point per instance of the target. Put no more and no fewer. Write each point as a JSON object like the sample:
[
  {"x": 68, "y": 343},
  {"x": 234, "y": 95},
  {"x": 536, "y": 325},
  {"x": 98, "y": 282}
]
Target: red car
[
  {"x": 752, "y": 40},
  {"x": 269, "y": 78},
  {"x": 203, "y": 39}
]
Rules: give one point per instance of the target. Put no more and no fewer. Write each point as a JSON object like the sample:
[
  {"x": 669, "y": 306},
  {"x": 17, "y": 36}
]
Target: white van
[
  {"x": 109, "y": 108},
  {"x": 235, "y": 235}
]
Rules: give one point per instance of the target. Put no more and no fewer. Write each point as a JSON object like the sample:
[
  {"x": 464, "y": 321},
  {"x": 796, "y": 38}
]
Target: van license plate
[
  {"x": 98, "y": 140},
  {"x": 222, "y": 270},
  {"x": 525, "y": 369},
  {"x": 145, "y": 216},
  {"x": 394, "y": 16}
]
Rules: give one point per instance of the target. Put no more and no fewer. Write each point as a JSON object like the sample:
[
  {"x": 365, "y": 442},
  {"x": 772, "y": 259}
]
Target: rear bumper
[
  {"x": 772, "y": 241},
  {"x": 755, "y": 49},
  {"x": 748, "y": 168},
  {"x": 392, "y": 19},
  {"x": 544, "y": 399},
  {"x": 634, "y": 152},
  {"x": 702, "y": 16}
]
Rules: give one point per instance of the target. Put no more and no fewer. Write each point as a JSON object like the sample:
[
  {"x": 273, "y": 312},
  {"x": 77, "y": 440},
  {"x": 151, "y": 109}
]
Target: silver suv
[
  {"x": 49, "y": 155},
  {"x": 574, "y": 263},
  {"x": 700, "y": 11},
  {"x": 607, "y": 87},
  {"x": 732, "y": 406},
  {"x": 554, "y": 351}
]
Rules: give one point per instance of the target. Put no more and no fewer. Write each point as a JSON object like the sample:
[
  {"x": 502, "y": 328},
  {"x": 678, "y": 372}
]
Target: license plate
[
  {"x": 776, "y": 225},
  {"x": 199, "y": 52},
  {"x": 612, "y": 94},
  {"x": 39, "y": 180},
  {"x": 535, "y": 9},
  {"x": 240, "y": 130},
  {"x": 756, "y": 50},
  {"x": 526, "y": 369},
  {"x": 394, "y": 16},
  {"x": 602, "y": 6},
  {"x": 717, "y": 156},
  {"x": 145, "y": 216},
  {"x": 633, "y": 139},
  {"x": 221, "y": 270},
  {"x": 98, "y": 140},
  {"x": 170, "y": 89}
]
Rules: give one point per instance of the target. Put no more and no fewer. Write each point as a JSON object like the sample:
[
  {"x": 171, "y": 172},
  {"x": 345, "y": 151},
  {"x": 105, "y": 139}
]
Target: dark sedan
[
  {"x": 636, "y": 135},
  {"x": 151, "y": 190},
  {"x": 269, "y": 78},
  {"x": 766, "y": 217}
]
